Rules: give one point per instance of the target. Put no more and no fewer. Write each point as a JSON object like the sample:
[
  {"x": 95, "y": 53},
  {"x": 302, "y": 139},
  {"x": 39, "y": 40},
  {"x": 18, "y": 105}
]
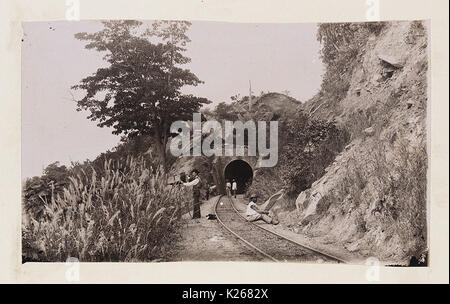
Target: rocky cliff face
[{"x": 372, "y": 199}]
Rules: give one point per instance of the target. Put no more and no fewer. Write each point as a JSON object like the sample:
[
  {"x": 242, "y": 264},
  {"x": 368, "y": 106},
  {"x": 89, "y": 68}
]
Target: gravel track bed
[{"x": 272, "y": 244}]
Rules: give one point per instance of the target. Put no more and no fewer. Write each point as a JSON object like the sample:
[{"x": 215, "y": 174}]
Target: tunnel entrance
[{"x": 241, "y": 171}]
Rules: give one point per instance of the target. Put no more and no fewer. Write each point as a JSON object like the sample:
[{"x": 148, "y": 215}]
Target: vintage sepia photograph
[{"x": 170, "y": 141}]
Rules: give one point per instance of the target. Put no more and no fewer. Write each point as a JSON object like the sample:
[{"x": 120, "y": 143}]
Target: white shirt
[
  {"x": 228, "y": 185},
  {"x": 250, "y": 210},
  {"x": 192, "y": 183},
  {"x": 234, "y": 186}
]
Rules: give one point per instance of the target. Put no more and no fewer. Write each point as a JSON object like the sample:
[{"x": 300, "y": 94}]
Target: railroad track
[{"x": 265, "y": 242}]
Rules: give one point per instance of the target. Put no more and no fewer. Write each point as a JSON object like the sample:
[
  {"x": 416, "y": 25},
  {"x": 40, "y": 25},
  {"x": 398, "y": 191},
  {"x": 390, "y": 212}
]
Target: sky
[{"x": 226, "y": 56}]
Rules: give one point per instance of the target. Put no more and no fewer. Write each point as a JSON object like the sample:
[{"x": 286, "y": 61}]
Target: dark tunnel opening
[{"x": 242, "y": 172}]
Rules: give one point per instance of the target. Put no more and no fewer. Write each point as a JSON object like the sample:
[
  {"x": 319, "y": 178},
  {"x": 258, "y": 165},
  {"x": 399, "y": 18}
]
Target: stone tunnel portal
[{"x": 241, "y": 171}]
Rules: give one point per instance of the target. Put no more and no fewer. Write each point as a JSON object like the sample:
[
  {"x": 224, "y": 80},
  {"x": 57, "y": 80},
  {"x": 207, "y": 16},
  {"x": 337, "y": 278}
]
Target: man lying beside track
[{"x": 253, "y": 213}]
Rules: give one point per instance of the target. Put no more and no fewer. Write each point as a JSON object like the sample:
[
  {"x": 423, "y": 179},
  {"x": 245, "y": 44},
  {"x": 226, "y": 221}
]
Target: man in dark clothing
[
  {"x": 207, "y": 191},
  {"x": 196, "y": 185}
]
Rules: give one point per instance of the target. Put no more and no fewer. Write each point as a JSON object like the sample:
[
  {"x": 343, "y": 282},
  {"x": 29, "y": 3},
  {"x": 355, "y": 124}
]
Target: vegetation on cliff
[{"x": 372, "y": 200}]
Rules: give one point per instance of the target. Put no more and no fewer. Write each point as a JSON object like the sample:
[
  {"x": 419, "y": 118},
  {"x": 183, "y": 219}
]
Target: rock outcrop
[{"x": 372, "y": 199}]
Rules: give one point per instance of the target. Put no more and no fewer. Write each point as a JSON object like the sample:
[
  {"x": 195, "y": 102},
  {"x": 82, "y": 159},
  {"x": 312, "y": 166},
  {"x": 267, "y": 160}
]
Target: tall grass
[{"x": 127, "y": 214}]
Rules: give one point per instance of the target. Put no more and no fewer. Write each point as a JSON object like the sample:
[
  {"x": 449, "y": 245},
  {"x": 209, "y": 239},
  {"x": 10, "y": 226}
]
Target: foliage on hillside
[
  {"x": 224, "y": 111},
  {"x": 39, "y": 190},
  {"x": 126, "y": 214},
  {"x": 343, "y": 45},
  {"x": 68, "y": 210},
  {"x": 306, "y": 148},
  {"x": 374, "y": 194},
  {"x": 309, "y": 147}
]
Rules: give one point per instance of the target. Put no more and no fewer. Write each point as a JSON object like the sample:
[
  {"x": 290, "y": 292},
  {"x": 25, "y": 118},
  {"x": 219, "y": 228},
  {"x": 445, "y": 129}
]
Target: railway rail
[{"x": 269, "y": 244}]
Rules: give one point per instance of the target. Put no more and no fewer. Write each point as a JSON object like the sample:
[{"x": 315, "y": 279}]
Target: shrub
[
  {"x": 39, "y": 190},
  {"x": 225, "y": 111},
  {"x": 128, "y": 214},
  {"x": 400, "y": 201},
  {"x": 343, "y": 45},
  {"x": 309, "y": 147}
]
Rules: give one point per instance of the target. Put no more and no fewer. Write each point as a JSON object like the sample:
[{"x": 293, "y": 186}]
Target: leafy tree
[
  {"x": 225, "y": 111},
  {"x": 139, "y": 93},
  {"x": 236, "y": 110},
  {"x": 41, "y": 190},
  {"x": 56, "y": 173}
]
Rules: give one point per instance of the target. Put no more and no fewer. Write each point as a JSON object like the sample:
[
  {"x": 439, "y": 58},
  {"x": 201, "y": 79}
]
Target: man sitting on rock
[{"x": 253, "y": 213}]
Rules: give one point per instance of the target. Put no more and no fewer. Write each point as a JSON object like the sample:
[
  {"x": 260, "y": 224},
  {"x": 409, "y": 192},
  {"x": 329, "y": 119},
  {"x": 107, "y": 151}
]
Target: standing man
[
  {"x": 207, "y": 191},
  {"x": 234, "y": 187},
  {"x": 228, "y": 186},
  {"x": 196, "y": 185}
]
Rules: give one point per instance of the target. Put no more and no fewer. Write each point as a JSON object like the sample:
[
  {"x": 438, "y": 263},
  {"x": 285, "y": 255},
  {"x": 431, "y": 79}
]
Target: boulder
[
  {"x": 312, "y": 207},
  {"x": 396, "y": 62},
  {"x": 302, "y": 200}
]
